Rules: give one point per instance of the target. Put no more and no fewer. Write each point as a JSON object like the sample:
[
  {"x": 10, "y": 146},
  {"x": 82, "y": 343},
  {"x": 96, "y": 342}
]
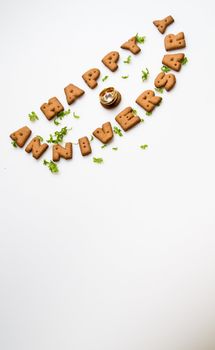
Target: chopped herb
[
  {"x": 105, "y": 78},
  {"x": 142, "y": 120},
  {"x": 160, "y": 90},
  {"x": 114, "y": 148},
  {"x": 128, "y": 59},
  {"x": 51, "y": 165},
  {"x": 103, "y": 146},
  {"x": 124, "y": 76},
  {"x": 59, "y": 135},
  {"x": 33, "y": 117},
  {"x": 117, "y": 131},
  {"x": 56, "y": 122},
  {"x": 145, "y": 74},
  {"x": 144, "y": 146},
  {"x": 140, "y": 39},
  {"x": 134, "y": 111},
  {"x": 184, "y": 61},
  {"x": 60, "y": 116},
  {"x": 148, "y": 113},
  {"x": 165, "y": 69},
  {"x": 14, "y": 143},
  {"x": 92, "y": 138},
  {"x": 98, "y": 160},
  {"x": 76, "y": 116},
  {"x": 40, "y": 138}
]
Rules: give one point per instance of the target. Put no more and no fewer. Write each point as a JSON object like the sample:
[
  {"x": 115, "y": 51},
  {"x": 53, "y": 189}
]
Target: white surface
[{"x": 120, "y": 255}]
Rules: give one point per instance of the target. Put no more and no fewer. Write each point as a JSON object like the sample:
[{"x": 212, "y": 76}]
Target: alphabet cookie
[
  {"x": 166, "y": 81},
  {"x": 84, "y": 145},
  {"x": 21, "y": 135},
  {"x": 52, "y": 108},
  {"x": 105, "y": 133},
  {"x": 110, "y": 60},
  {"x": 131, "y": 45},
  {"x": 173, "y": 61},
  {"x": 162, "y": 24},
  {"x": 174, "y": 42},
  {"x": 127, "y": 119},
  {"x": 72, "y": 92},
  {"x": 36, "y": 148},
  {"x": 59, "y": 151},
  {"x": 91, "y": 77},
  {"x": 148, "y": 100}
]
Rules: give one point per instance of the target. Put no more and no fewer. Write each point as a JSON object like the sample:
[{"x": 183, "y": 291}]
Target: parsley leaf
[
  {"x": 14, "y": 143},
  {"x": 142, "y": 120},
  {"x": 59, "y": 135},
  {"x": 60, "y": 116},
  {"x": 114, "y": 148},
  {"x": 117, "y": 131},
  {"x": 128, "y": 59},
  {"x": 140, "y": 39},
  {"x": 33, "y": 117},
  {"x": 148, "y": 113},
  {"x": 40, "y": 138},
  {"x": 124, "y": 76},
  {"x": 105, "y": 78},
  {"x": 144, "y": 146},
  {"x": 92, "y": 138},
  {"x": 145, "y": 74},
  {"x": 51, "y": 165},
  {"x": 184, "y": 61},
  {"x": 134, "y": 111},
  {"x": 160, "y": 90},
  {"x": 165, "y": 69},
  {"x": 76, "y": 116},
  {"x": 103, "y": 146},
  {"x": 97, "y": 160}
]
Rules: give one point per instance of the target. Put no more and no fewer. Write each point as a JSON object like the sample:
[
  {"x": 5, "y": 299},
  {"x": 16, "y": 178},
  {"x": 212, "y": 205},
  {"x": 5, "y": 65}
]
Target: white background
[{"x": 118, "y": 256}]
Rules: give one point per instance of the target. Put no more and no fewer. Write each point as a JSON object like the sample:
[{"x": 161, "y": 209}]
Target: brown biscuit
[
  {"x": 59, "y": 151},
  {"x": 110, "y": 60},
  {"x": 72, "y": 92},
  {"x": 173, "y": 61},
  {"x": 127, "y": 119},
  {"x": 174, "y": 42},
  {"x": 162, "y": 24},
  {"x": 36, "y": 148},
  {"x": 52, "y": 108},
  {"x": 84, "y": 145},
  {"x": 105, "y": 133},
  {"x": 166, "y": 81},
  {"x": 148, "y": 100},
  {"x": 131, "y": 45},
  {"x": 91, "y": 76},
  {"x": 20, "y": 136}
]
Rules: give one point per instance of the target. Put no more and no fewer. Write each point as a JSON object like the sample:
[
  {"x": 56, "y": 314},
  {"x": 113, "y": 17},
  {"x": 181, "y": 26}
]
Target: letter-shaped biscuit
[
  {"x": 52, "y": 108},
  {"x": 110, "y": 60},
  {"x": 36, "y": 148},
  {"x": 104, "y": 134},
  {"x": 148, "y": 100},
  {"x": 91, "y": 76},
  {"x": 162, "y": 24},
  {"x": 174, "y": 42},
  {"x": 72, "y": 92},
  {"x": 166, "y": 81},
  {"x": 84, "y": 145},
  {"x": 131, "y": 45},
  {"x": 127, "y": 119},
  {"x": 173, "y": 61},
  {"x": 59, "y": 151},
  {"x": 21, "y": 135}
]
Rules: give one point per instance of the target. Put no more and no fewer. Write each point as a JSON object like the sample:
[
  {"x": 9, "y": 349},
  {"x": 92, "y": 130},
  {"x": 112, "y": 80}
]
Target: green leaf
[
  {"x": 51, "y": 165},
  {"x": 184, "y": 61},
  {"x": 76, "y": 116},
  {"x": 124, "y": 76},
  {"x": 33, "y": 117},
  {"x": 63, "y": 113},
  {"x": 40, "y": 138},
  {"x": 148, "y": 113},
  {"x": 105, "y": 78},
  {"x": 140, "y": 39},
  {"x": 59, "y": 135},
  {"x": 56, "y": 122},
  {"x": 92, "y": 138},
  {"x": 142, "y": 120},
  {"x": 98, "y": 160},
  {"x": 128, "y": 59},
  {"x": 117, "y": 131},
  {"x": 144, "y": 146},
  {"x": 160, "y": 90},
  {"x": 14, "y": 144},
  {"x": 114, "y": 148},
  {"x": 103, "y": 146},
  {"x": 145, "y": 74},
  {"x": 134, "y": 111},
  {"x": 165, "y": 69}
]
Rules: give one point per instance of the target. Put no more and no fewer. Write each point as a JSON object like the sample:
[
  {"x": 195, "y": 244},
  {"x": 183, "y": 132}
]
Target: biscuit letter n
[
  {"x": 127, "y": 119},
  {"x": 59, "y": 151},
  {"x": 20, "y": 136},
  {"x": 36, "y": 148},
  {"x": 104, "y": 134},
  {"x": 148, "y": 100}
]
